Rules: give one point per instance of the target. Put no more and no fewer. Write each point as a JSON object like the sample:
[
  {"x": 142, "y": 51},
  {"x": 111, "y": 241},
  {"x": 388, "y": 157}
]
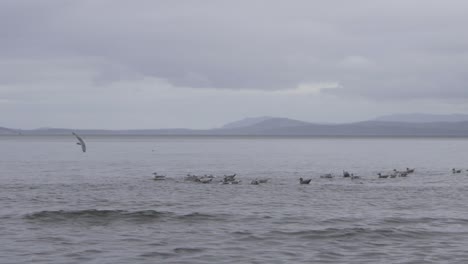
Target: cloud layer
[{"x": 58, "y": 51}]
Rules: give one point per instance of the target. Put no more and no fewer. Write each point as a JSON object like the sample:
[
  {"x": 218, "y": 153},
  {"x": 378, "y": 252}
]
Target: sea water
[{"x": 60, "y": 205}]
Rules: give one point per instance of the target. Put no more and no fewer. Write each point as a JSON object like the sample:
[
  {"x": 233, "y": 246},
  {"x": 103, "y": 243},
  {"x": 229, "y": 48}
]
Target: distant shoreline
[
  {"x": 246, "y": 136},
  {"x": 279, "y": 127}
]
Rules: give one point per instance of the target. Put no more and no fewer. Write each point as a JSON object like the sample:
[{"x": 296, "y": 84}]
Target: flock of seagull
[
  {"x": 455, "y": 171},
  {"x": 209, "y": 178},
  {"x": 230, "y": 179},
  {"x": 396, "y": 173}
]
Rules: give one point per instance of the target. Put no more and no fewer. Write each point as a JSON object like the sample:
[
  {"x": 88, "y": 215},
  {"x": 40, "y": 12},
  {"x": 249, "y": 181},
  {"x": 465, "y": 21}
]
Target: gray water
[{"x": 59, "y": 205}]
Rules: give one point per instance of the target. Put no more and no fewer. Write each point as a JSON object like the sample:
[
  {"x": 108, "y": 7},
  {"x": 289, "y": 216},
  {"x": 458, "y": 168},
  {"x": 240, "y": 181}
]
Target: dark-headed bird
[{"x": 302, "y": 181}]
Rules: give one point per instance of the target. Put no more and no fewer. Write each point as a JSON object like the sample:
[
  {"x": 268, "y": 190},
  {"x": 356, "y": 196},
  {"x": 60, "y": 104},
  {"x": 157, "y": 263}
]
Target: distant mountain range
[
  {"x": 418, "y": 125},
  {"x": 423, "y": 118},
  {"x": 249, "y": 121}
]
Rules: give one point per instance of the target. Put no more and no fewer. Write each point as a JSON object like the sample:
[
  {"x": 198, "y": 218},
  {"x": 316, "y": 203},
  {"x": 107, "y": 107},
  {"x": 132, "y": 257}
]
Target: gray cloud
[
  {"x": 63, "y": 60},
  {"x": 372, "y": 48}
]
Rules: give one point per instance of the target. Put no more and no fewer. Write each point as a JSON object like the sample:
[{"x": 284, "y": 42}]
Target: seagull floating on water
[
  {"x": 80, "y": 142},
  {"x": 326, "y": 176},
  {"x": 229, "y": 179},
  {"x": 382, "y": 175},
  {"x": 302, "y": 181},
  {"x": 205, "y": 180},
  {"x": 258, "y": 181},
  {"x": 157, "y": 177}
]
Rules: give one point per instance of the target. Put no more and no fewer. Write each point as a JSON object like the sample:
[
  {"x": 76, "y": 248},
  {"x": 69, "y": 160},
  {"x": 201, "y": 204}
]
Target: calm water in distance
[{"x": 59, "y": 205}]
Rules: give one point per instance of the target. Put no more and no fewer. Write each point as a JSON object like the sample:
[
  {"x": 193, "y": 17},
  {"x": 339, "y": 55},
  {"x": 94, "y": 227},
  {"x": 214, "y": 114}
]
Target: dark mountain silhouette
[
  {"x": 423, "y": 118},
  {"x": 283, "y": 127},
  {"x": 249, "y": 121},
  {"x": 8, "y": 131}
]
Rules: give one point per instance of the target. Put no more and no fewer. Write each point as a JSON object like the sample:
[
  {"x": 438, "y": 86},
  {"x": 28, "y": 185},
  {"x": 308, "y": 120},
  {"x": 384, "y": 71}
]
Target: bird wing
[{"x": 82, "y": 143}]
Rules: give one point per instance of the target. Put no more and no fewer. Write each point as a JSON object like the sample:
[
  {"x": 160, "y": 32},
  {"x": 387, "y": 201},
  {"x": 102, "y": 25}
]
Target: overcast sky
[{"x": 199, "y": 64}]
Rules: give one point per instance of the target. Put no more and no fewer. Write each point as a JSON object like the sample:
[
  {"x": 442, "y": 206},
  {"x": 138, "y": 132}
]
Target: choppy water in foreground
[{"x": 59, "y": 205}]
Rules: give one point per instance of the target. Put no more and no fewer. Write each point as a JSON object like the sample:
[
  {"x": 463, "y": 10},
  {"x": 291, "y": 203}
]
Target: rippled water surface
[{"x": 59, "y": 205}]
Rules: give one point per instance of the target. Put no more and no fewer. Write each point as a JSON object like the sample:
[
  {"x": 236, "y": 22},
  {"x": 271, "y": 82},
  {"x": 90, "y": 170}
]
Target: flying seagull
[{"x": 80, "y": 142}]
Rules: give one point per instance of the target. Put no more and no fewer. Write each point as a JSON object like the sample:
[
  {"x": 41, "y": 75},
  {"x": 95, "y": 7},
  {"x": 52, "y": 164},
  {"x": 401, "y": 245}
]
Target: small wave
[
  {"x": 424, "y": 220},
  {"x": 96, "y": 216},
  {"x": 194, "y": 217},
  {"x": 340, "y": 220},
  {"x": 371, "y": 233},
  {"x": 401, "y": 220},
  {"x": 188, "y": 250},
  {"x": 157, "y": 255},
  {"x": 100, "y": 216}
]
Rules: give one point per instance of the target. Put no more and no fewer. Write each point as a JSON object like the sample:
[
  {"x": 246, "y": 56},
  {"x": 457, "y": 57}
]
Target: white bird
[{"x": 80, "y": 142}]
